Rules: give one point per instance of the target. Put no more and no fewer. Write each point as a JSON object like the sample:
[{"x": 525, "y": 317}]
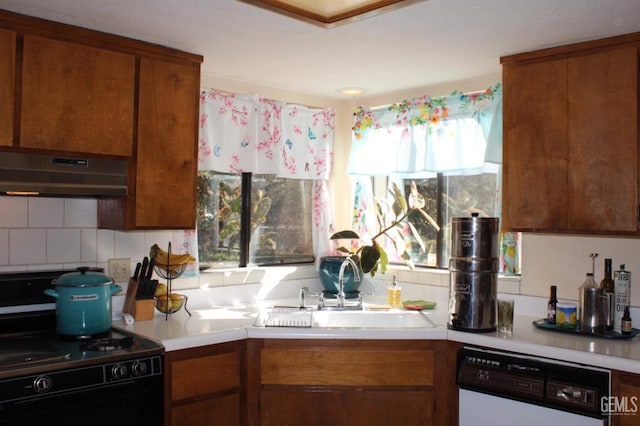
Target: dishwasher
[{"x": 504, "y": 388}]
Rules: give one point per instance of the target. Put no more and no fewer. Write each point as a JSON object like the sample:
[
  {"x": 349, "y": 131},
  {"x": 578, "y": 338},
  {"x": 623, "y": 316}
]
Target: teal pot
[
  {"x": 330, "y": 270},
  {"x": 83, "y": 302}
]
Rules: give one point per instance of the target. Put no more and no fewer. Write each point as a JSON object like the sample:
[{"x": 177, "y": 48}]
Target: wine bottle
[
  {"x": 608, "y": 289},
  {"x": 552, "y": 305},
  {"x": 607, "y": 283}
]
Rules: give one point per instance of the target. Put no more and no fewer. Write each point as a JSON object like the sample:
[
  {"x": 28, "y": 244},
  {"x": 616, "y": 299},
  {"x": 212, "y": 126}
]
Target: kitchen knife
[
  {"x": 136, "y": 274},
  {"x": 152, "y": 263},
  {"x": 140, "y": 293},
  {"x": 145, "y": 265}
]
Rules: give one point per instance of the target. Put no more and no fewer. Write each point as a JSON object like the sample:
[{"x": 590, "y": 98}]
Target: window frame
[{"x": 244, "y": 240}]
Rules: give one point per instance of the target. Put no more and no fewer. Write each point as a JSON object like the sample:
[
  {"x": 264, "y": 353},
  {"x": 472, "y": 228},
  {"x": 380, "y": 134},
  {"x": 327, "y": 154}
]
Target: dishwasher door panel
[{"x": 482, "y": 409}]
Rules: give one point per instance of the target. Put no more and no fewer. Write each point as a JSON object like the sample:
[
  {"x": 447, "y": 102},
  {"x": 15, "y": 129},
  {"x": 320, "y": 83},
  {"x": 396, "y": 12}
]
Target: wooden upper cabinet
[
  {"x": 167, "y": 144},
  {"x": 603, "y": 141},
  {"x": 7, "y": 85},
  {"x": 535, "y": 151},
  {"x": 76, "y": 98},
  {"x": 162, "y": 174},
  {"x": 571, "y": 142}
]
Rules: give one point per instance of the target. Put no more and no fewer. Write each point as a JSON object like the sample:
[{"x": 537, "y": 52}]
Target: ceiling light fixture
[
  {"x": 352, "y": 91},
  {"x": 330, "y": 13}
]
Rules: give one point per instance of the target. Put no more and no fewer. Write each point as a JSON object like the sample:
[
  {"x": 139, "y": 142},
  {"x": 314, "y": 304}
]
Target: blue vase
[{"x": 330, "y": 270}]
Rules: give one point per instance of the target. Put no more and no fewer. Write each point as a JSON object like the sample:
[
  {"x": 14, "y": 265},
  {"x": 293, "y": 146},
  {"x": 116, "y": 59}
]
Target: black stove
[{"x": 43, "y": 372}]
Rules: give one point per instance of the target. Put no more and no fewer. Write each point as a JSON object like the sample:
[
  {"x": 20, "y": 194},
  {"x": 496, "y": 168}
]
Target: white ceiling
[{"x": 426, "y": 43}]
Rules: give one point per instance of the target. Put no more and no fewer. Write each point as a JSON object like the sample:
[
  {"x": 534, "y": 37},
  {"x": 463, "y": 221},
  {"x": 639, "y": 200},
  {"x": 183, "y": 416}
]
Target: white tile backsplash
[
  {"x": 80, "y": 213},
  {"x": 106, "y": 244},
  {"x": 89, "y": 245},
  {"x": 4, "y": 246},
  {"x": 14, "y": 212},
  {"x": 27, "y": 246},
  {"x": 46, "y": 212},
  {"x": 130, "y": 244},
  {"x": 57, "y": 233},
  {"x": 64, "y": 245}
]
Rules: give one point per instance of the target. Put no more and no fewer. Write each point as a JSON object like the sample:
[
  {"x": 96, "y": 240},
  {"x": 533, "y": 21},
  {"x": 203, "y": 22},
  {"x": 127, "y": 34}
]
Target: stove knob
[
  {"x": 139, "y": 368},
  {"x": 42, "y": 384},
  {"x": 119, "y": 371}
]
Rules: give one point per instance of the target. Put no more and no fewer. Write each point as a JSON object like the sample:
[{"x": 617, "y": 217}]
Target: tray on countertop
[{"x": 542, "y": 324}]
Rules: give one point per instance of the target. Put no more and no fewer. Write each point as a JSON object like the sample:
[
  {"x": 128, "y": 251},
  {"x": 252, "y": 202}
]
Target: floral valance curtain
[
  {"x": 242, "y": 133},
  {"x": 461, "y": 133}
]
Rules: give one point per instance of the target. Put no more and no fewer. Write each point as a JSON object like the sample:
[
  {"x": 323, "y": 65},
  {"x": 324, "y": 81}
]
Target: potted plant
[{"x": 392, "y": 220}]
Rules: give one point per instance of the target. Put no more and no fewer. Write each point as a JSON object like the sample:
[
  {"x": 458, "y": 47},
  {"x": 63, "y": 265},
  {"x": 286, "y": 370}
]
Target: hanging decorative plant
[{"x": 373, "y": 257}]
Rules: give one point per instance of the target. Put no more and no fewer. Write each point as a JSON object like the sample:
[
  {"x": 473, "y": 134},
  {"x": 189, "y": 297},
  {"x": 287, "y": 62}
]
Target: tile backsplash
[{"x": 61, "y": 233}]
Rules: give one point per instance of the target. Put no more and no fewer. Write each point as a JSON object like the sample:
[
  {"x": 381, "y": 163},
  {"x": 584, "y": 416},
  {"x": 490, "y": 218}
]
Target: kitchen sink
[
  {"x": 294, "y": 317},
  {"x": 372, "y": 319}
]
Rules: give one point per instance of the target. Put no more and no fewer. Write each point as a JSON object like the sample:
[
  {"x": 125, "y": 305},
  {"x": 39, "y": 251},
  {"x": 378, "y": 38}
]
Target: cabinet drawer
[
  {"x": 348, "y": 367},
  {"x": 204, "y": 375}
]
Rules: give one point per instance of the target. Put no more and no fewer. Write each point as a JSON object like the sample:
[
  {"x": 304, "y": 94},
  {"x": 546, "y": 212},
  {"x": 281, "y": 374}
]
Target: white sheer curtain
[
  {"x": 461, "y": 133},
  {"x": 241, "y": 133}
]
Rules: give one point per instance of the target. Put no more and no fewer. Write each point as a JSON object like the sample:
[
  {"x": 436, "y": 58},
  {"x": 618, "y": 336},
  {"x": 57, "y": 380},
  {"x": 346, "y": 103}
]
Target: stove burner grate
[{"x": 106, "y": 344}]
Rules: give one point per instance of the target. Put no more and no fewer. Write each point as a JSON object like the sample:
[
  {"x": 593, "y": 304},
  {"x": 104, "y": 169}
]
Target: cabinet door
[
  {"x": 167, "y": 140},
  {"x": 76, "y": 98},
  {"x": 7, "y": 85},
  {"x": 336, "y": 407},
  {"x": 204, "y": 386},
  {"x": 603, "y": 141},
  {"x": 535, "y": 149}
]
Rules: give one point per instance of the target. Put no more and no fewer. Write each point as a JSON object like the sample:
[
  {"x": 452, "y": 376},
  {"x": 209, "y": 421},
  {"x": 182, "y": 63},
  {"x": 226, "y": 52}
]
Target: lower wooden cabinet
[
  {"x": 351, "y": 382},
  {"x": 625, "y": 404},
  {"x": 205, "y": 386},
  {"x": 280, "y": 382}
]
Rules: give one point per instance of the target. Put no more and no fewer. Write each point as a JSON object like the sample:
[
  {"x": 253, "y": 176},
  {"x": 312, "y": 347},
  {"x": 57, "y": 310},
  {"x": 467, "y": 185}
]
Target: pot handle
[
  {"x": 51, "y": 292},
  {"x": 115, "y": 288}
]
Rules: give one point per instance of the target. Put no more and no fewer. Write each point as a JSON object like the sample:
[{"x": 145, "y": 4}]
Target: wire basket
[
  {"x": 170, "y": 271},
  {"x": 170, "y": 305}
]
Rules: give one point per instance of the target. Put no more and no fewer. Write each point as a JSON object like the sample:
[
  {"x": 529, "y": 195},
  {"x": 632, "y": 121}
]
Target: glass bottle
[
  {"x": 608, "y": 288},
  {"x": 551, "y": 305},
  {"x": 626, "y": 325},
  {"x": 394, "y": 294},
  {"x": 607, "y": 283}
]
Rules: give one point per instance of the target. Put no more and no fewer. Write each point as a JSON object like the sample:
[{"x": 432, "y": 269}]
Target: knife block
[{"x": 141, "y": 310}]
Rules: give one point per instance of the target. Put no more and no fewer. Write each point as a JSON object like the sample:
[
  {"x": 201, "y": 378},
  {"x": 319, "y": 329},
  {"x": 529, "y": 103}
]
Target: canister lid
[{"x": 84, "y": 277}]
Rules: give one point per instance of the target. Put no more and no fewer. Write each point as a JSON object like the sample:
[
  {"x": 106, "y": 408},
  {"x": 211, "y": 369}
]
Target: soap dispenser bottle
[{"x": 394, "y": 294}]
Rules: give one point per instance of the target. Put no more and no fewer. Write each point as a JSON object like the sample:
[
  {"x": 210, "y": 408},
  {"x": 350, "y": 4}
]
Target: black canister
[{"x": 473, "y": 273}]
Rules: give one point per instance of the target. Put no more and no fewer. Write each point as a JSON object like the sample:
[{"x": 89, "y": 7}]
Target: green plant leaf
[
  {"x": 343, "y": 249},
  {"x": 384, "y": 260},
  {"x": 399, "y": 202},
  {"x": 369, "y": 257},
  {"x": 417, "y": 236},
  {"x": 347, "y": 234}
]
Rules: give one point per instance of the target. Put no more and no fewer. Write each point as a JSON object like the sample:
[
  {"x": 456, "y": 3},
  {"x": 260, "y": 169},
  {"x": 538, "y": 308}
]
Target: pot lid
[{"x": 84, "y": 277}]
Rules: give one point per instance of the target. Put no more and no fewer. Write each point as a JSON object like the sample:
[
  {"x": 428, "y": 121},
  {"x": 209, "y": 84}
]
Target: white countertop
[
  {"x": 219, "y": 324},
  {"x": 619, "y": 354}
]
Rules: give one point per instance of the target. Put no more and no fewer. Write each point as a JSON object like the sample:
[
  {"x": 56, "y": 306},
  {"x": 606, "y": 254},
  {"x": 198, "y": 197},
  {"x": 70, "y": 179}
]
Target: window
[
  {"x": 445, "y": 197},
  {"x": 275, "y": 228},
  {"x": 443, "y": 152}
]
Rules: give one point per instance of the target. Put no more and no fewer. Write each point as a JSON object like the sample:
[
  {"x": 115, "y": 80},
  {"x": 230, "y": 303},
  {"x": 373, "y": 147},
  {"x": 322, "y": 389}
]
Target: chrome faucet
[{"x": 356, "y": 277}]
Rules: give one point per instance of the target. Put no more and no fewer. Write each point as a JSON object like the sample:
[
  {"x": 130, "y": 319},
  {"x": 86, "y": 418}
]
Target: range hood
[{"x": 59, "y": 176}]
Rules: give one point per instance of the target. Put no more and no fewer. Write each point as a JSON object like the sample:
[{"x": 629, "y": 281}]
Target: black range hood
[{"x": 59, "y": 176}]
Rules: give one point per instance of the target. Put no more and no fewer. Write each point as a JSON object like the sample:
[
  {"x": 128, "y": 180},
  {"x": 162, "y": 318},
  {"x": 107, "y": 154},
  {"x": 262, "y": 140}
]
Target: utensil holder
[{"x": 141, "y": 310}]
